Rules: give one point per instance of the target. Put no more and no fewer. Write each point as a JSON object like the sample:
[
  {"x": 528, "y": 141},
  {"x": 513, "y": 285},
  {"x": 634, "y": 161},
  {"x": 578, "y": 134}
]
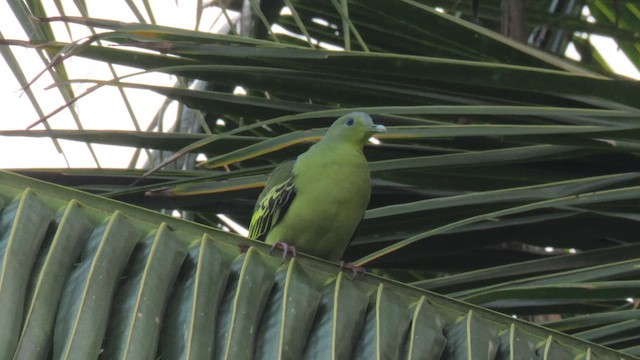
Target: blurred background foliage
[{"x": 509, "y": 175}]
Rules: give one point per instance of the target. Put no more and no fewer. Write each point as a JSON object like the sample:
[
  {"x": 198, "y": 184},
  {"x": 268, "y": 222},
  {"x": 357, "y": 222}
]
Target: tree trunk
[{"x": 513, "y": 19}]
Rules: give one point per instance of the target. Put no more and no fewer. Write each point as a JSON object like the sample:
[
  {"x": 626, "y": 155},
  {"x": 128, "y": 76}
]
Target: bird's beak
[{"x": 379, "y": 129}]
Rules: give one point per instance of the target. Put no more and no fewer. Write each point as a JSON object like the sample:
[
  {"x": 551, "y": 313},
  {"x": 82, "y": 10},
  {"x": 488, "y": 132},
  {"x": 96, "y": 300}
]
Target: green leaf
[
  {"x": 341, "y": 314},
  {"x": 251, "y": 281},
  {"x": 22, "y": 229},
  {"x": 289, "y": 314},
  {"x": 515, "y": 344},
  {"x": 88, "y": 294},
  {"x": 471, "y": 338},
  {"x": 149, "y": 278},
  {"x": 366, "y": 312},
  {"x": 385, "y": 328},
  {"x": 54, "y": 264},
  {"x": 425, "y": 339},
  {"x": 189, "y": 328}
]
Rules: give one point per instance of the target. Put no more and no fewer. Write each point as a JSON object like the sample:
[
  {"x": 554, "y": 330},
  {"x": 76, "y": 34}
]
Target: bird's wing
[{"x": 274, "y": 201}]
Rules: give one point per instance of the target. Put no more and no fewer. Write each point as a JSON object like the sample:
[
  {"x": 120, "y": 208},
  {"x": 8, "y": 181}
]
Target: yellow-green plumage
[{"x": 316, "y": 202}]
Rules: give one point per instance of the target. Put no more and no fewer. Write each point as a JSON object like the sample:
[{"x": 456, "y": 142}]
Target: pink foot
[
  {"x": 286, "y": 249},
  {"x": 354, "y": 268}
]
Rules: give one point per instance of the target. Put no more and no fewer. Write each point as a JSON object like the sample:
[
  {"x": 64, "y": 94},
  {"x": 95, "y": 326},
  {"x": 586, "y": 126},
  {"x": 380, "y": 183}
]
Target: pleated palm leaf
[{"x": 508, "y": 179}]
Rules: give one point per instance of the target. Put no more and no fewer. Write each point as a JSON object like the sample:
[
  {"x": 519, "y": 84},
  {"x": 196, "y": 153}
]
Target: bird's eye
[{"x": 349, "y": 122}]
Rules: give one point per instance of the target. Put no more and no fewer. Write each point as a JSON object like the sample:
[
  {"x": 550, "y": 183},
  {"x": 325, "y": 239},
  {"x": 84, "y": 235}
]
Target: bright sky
[
  {"x": 105, "y": 108},
  {"x": 29, "y": 152}
]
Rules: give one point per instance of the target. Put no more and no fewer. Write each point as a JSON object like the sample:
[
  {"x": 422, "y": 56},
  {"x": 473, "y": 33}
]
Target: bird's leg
[
  {"x": 244, "y": 248},
  {"x": 286, "y": 248},
  {"x": 355, "y": 269}
]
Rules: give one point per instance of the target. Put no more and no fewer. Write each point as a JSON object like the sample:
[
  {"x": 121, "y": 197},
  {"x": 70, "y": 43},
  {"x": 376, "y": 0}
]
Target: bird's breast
[
  {"x": 336, "y": 193},
  {"x": 339, "y": 180}
]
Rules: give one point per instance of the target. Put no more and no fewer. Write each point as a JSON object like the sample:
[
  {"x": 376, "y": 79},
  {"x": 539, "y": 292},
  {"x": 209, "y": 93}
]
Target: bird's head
[{"x": 355, "y": 127}]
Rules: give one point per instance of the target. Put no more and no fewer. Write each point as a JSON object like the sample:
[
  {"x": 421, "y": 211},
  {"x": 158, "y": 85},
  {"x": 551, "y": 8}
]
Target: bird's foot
[
  {"x": 355, "y": 269},
  {"x": 286, "y": 249}
]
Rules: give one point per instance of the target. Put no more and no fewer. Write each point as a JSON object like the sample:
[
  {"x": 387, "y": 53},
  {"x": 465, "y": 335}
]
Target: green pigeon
[{"x": 315, "y": 202}]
